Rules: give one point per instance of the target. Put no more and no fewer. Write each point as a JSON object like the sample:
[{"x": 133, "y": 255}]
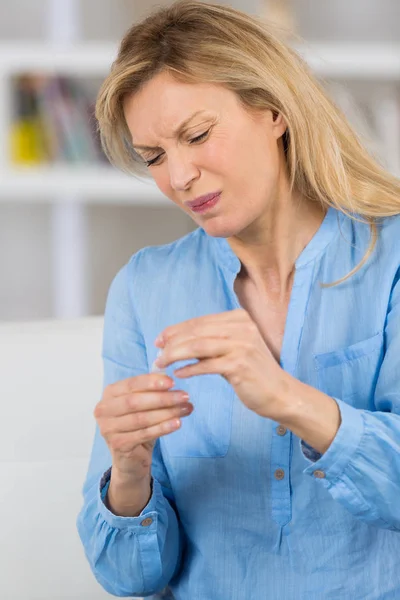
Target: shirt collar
[{"x": 315, "y": 247}]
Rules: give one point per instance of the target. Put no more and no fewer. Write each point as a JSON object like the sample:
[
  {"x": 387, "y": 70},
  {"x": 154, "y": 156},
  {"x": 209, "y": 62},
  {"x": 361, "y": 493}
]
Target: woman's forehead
[
  {"x": 163, "y": 91},
  {"x": 164, "y": 106}
]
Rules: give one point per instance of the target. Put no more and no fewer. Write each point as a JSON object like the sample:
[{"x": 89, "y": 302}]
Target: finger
[
  {"x": 200, "y": 348},
  {"x": 237, "y": 330},
  {"x": 144, "y": 420},
  {"x": 230, "y": 316},
  {"x": 125, "y": 442},
  {"x": 140, "y": 383},
  {"x": 139, "y": 401},
  {"x": 211, "y": 366}
]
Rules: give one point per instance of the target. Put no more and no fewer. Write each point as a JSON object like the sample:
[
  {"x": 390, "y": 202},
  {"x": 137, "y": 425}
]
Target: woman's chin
[{"x": 219, "y": 228}]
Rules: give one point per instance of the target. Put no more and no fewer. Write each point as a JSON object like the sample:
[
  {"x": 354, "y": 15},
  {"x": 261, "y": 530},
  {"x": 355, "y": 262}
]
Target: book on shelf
[
  {"x": 53, "y": 123},
  {"x": 27, "y": 142}
]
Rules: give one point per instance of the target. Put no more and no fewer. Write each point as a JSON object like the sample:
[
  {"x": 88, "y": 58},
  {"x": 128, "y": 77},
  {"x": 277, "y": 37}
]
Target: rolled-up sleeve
[
  {"x": 361, "y": 468},
  {"x": 129, "y": 556}
]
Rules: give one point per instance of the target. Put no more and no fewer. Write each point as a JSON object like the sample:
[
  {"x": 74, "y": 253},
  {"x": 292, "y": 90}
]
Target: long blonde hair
[{"x": 201, "y": 42}]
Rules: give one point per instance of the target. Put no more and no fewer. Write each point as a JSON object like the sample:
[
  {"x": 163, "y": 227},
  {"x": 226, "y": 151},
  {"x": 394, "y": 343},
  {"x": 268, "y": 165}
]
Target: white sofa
[{"x": 51, "y": 379}]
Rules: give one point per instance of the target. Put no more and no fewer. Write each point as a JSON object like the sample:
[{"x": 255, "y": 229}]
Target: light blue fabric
[{"x": 223, "y": 527}]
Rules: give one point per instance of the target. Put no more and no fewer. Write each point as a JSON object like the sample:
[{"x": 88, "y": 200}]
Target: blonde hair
[{"x": 203, "y": 42}]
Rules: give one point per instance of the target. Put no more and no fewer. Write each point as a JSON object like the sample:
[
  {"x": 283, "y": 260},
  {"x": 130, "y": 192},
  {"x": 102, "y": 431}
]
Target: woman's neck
[{"x": 269, "y": 248}]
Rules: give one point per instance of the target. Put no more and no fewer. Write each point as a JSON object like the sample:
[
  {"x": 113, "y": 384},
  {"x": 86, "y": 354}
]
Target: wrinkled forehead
[{"x": 163, "y": 104}]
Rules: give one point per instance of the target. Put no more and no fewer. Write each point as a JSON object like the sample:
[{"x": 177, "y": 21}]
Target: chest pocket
[
  {"x": 350, "y": 374},
  {"x": 206, "y": 432}
]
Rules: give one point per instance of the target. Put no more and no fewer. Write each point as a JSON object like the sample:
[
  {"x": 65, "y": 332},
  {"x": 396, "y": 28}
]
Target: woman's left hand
[{"x": 228, "y": 344}]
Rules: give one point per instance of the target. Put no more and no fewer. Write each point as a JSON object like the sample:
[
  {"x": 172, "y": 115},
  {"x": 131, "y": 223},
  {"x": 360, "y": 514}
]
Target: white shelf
[
  {"x": 371, "y": 61},
  {"x": 77, "y": 59},
  {"x": 354, "y": 61},
  {"x": 90, "y": 184}
]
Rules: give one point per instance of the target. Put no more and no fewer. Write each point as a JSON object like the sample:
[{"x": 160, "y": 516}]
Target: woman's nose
[{"x": 182, "y": 172}]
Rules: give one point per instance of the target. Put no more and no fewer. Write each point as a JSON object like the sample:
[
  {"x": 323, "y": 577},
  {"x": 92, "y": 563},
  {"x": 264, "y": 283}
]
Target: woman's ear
[{"x": 278, "y": 123}]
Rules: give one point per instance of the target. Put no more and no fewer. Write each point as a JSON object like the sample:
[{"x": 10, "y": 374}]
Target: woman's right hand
[{"x": 132, "y": 414}]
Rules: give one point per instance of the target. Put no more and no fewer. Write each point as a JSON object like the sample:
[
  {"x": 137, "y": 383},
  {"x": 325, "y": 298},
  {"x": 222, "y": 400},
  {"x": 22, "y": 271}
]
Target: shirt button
[
  {"x": 319, "y": 474},
  {"x": 279, "y": 474},
  {"x": 281, "y": 430},
  {"x": 146, "y": 522}
]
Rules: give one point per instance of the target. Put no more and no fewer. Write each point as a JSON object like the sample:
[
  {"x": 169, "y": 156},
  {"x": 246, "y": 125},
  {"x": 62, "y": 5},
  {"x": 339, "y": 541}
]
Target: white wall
[
  {"x": 317, "y": 19},
  {"x": 102, "y": 19},
  {"x": 115, "y": 233}
]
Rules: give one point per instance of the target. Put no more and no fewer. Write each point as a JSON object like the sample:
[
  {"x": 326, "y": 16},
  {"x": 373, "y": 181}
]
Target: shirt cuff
[
  {"x": 331, "y": 465},
  {"x": 130, "y": 522}
]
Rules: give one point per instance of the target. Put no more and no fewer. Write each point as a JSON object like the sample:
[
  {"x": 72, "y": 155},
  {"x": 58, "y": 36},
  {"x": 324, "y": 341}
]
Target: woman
[{"x": 278, "y": 318}]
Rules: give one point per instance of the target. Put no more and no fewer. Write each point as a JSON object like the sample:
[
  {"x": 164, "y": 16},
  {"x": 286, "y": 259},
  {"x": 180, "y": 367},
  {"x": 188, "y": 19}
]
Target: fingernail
[
  {"x": 158, "y": 363},
  {"x": 159, "y": 340},
  {"x": 155, "y": 366}
]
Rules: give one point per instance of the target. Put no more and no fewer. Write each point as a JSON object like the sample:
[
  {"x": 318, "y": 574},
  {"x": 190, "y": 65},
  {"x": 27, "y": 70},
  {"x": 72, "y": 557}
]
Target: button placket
[
  {"x": 282, "y": 438},
  {"x": 280, "y": 473}
]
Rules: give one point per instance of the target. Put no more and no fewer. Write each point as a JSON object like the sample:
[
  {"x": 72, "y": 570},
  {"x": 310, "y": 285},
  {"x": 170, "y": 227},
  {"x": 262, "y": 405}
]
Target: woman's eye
[
  {"x": 153, "y": 161},
  {"x": 199, "y": 138}
]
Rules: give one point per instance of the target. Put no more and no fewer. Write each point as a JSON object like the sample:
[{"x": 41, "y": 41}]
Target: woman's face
[{"x": 239, "y": 155}]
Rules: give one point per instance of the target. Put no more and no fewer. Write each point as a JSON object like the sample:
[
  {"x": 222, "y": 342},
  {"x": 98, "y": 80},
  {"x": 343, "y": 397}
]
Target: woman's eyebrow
[{"x": 178, "y": 131}]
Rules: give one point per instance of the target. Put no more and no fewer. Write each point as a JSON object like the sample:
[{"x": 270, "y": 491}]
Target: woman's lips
[{"x": 208, "y": 205}]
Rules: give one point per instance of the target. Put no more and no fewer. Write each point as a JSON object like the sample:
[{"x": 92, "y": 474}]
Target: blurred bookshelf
[
  {"x": 54, "y": 90},
  {"x": 65, "y": 68}
]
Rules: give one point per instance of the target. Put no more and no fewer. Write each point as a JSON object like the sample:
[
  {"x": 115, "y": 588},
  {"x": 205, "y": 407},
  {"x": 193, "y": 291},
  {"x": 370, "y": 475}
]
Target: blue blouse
[{"x": 221, "y": 524}]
